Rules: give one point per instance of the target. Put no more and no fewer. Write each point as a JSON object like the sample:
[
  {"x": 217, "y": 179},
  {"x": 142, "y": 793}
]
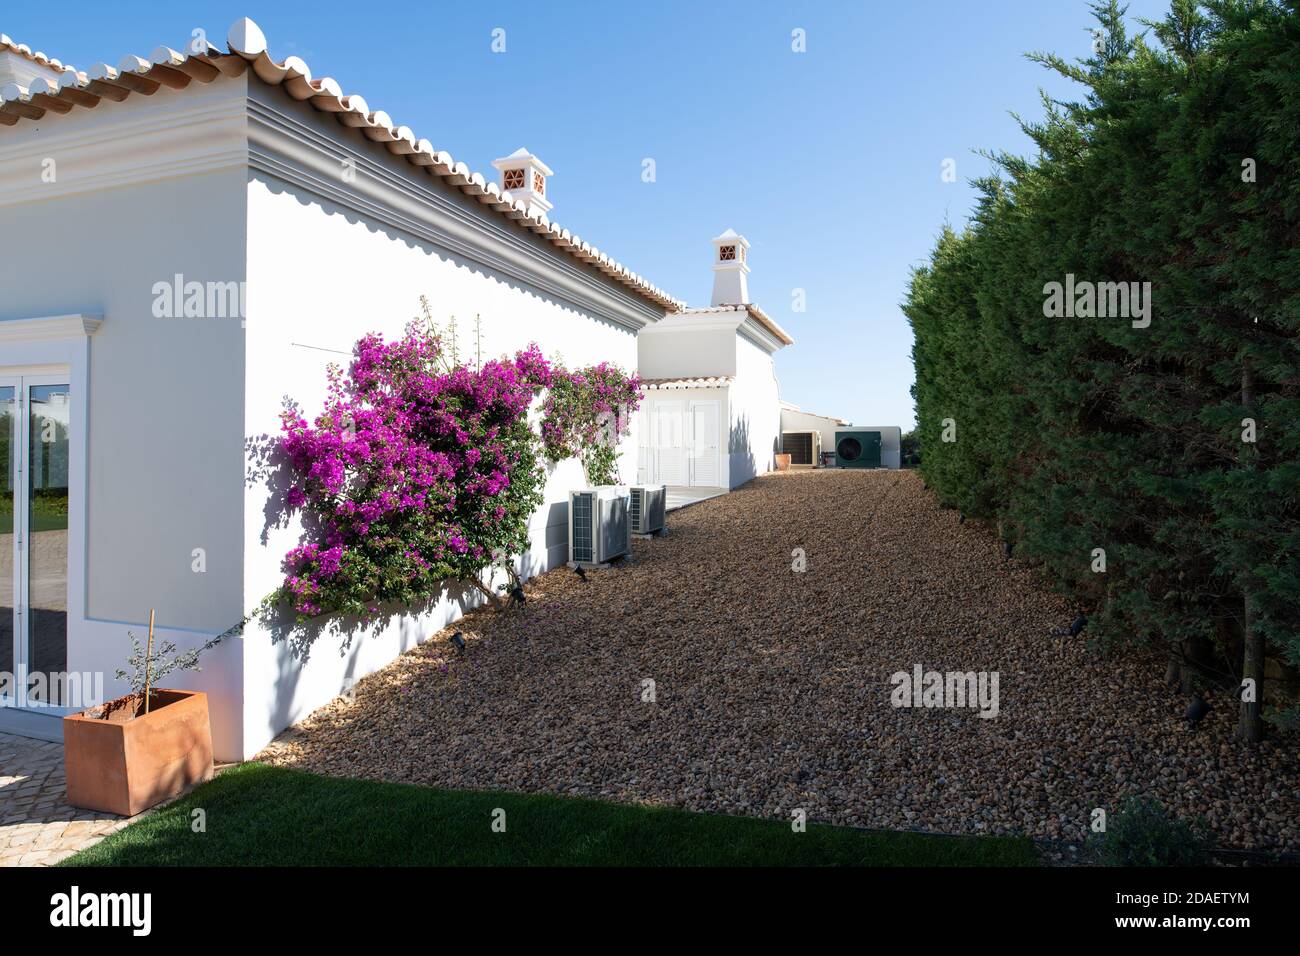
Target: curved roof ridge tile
[
  {"x": 247, "y": 47},
  {"x": 36, "y": 56}
]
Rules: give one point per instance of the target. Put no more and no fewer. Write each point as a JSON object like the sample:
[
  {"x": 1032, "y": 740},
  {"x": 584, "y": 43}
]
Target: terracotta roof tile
[
  {"x": 36, "y": 56},
  {"x": 714, "y": 381},
  {"x": 248, "y": 49},
  {"x": 761, "y": 317}
]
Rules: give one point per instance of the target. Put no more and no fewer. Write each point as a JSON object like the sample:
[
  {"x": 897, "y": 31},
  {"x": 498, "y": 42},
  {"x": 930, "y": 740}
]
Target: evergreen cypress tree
[{"x": 1173, "y": 445}]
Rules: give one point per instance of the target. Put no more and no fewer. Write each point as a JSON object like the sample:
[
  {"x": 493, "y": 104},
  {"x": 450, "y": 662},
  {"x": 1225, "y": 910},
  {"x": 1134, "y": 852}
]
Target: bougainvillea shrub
[
  {"x": 585, "y": 413},
  {"x": 419, "y": 471}
]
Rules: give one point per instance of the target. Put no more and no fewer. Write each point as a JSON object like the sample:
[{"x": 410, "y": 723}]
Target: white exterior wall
[
  {"x": 161, "y": 431},
  {"x": 325, "y": 267},
  {"x": 686, "y": 352},
  {"x": 299, "y": 322},
  {"x": 161, "y": 185},
  {"x": 754, "y": 414},
  {"x": 716, "y": 345},
  {"x": 163, "y": 394}
]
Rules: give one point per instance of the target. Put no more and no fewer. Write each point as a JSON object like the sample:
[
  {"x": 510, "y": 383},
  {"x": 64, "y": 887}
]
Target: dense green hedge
[{"x": 1178, "y": 167}]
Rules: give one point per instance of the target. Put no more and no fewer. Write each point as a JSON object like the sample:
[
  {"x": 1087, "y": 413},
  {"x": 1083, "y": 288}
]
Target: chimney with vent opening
[
  {"x": 524, "y": 177},
  {"x": 730, "y": 269}
]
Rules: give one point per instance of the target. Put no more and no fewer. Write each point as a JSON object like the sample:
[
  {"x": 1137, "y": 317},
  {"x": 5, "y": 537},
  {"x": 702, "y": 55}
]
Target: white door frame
[
  {"x": 21, "y": 436},
  {"x": 11, "y": 699},
  {"x": 53, "y": 350}
]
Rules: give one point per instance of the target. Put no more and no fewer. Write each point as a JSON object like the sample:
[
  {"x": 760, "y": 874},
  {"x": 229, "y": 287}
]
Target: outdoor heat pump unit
[
  {"x": 649, "y": 503},
  {"x": 599, "y": 524},
  {"x": 857, "y": 449},
  {"x": 804, "y": 448}
]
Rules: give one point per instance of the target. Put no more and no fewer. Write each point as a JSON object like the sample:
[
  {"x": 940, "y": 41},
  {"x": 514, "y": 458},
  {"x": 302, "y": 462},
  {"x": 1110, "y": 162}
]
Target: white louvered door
[
  {"x": 704, "y": 466},
  {"x": 670, "y": 443}
]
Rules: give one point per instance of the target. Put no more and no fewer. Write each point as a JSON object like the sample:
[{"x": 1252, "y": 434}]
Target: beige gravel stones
[{"x": 772, "y": 688}]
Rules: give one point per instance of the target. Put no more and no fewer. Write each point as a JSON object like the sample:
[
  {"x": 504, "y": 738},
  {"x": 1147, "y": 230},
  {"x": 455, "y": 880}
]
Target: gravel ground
[{"x": 773, "y": 687}]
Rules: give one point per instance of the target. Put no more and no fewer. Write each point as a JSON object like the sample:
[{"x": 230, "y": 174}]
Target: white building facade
[
  {"x": 205, "y": 241},
  {"x": 192, "y": 237},
  {"x": 711, "y": 417}
]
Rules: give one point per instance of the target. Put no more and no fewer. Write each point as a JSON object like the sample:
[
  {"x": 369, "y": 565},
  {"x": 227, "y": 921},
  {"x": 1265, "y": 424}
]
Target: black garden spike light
[
  {"x": 1196, "y": 711},
  {"x": 1074, "y": 630}
]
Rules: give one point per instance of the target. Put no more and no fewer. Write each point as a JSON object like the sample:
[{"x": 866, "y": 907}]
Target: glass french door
[{"x": 35, "y": 423}]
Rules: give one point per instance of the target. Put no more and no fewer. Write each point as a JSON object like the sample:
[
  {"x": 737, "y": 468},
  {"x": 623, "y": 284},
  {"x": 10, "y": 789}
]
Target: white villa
[
  {"x": 712, "y": 415},
  {"x": 188, "y": 238}
]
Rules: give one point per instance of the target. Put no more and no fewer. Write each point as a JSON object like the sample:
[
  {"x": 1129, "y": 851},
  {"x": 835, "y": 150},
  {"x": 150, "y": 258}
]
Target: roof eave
[{"x": 248, "y": 50}]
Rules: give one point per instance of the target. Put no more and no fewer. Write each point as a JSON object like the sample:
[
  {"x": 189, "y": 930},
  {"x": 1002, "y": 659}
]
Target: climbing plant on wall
[
  {"x": 421, "y": 470},
  {"x": 585, "y": 413}
]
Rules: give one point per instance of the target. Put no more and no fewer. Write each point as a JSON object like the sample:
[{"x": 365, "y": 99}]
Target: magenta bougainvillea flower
[{"x": 418, "y": 471}]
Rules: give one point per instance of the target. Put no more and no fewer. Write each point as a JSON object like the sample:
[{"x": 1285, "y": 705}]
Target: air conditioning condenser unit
[
  {"x": 649, "y": 505},
  {"x": 600, "y": 529},
  {"x": 804, "y": 447}
]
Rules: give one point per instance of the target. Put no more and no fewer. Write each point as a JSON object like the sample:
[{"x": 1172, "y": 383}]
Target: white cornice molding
[
  {"x": 291, "y": 143},
  {"x": 172, "y": 133},
  {"x": 231, "y": 123},
  {"x": 678, "y": 323},
  {"x": 754, "y": 331},
  {"x": 78, "y": 325}
]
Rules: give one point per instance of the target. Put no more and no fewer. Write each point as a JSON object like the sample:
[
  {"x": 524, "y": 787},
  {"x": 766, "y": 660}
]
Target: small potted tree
[{"x": 131, "y": 753}]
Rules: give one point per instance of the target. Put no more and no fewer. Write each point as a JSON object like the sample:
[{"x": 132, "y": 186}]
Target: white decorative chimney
[
  {"x": 730, "y": 267},
  {"x": 524, "y": 177}
]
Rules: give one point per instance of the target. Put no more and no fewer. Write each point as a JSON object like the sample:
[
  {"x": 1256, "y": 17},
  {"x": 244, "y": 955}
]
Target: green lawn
[
  {"x": 41, "y": 522},
  {"x": 264, "y": 816}
]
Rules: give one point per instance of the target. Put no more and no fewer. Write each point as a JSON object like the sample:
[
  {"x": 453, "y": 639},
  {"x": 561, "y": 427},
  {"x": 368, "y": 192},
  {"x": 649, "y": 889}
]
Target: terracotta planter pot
[
  {"x": 782, "y": 462},
  {"x": 124, "y": 764}
]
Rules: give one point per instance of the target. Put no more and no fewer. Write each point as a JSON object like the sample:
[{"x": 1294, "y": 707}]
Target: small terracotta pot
[
  {"x": 782, "y": 462},
  {"x": 124, "y": 764}
]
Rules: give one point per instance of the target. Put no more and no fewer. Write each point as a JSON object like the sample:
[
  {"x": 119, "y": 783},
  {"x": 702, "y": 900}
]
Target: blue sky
[{"x": 828, "y": 161}]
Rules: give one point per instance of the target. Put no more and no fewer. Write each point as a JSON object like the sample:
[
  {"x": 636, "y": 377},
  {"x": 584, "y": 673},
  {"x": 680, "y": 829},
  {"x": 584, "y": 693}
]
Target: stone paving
[{"x": 37, "y": 826}]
